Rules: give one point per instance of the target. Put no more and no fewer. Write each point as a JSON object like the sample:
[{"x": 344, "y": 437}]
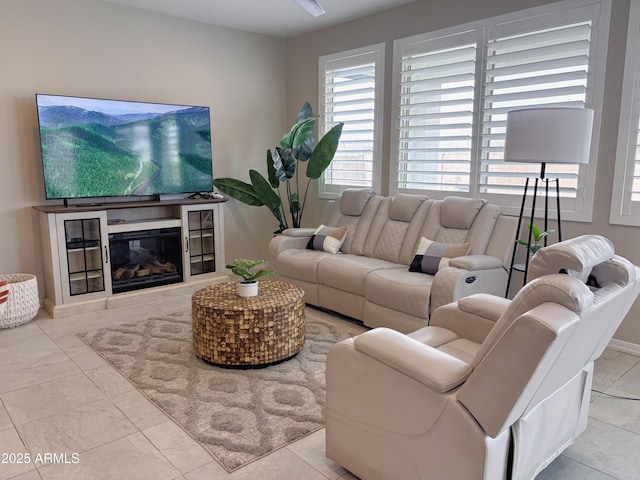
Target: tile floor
[{"x": 58, "y": 396}]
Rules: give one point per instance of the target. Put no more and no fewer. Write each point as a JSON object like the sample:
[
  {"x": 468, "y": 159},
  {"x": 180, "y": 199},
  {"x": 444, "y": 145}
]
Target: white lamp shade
[{"x": 548, "y": 135}]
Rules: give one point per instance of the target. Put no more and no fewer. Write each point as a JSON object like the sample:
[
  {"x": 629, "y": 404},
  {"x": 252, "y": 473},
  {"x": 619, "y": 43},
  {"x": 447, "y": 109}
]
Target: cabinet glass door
[
  {"x": 202, "y": 258},
  {"x": 84, "y": 256}
]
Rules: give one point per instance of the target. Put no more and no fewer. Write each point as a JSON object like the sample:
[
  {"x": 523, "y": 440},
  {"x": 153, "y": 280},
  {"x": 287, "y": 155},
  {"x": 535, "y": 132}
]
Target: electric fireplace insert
[{"x": 143, "y": 259}]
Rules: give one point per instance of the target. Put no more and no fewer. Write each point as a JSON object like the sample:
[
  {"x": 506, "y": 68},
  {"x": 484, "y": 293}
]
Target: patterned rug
[{"x": 237, "y": 415}]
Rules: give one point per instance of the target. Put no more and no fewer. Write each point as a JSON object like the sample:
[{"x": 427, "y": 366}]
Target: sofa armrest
[
  {"x": 298, "y": 232},
  {"x": 489, "y": 307},
  {"x": 281, "y": 243},
  {"x": 452, "y": 282},
  {"x": 476, "y": 262},
  {"x": 471, "y": 317},
  {"x": 431, "y": 367}
]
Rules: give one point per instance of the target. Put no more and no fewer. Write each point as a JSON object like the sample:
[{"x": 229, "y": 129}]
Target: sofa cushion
[
  {"x": 462, "y": 348},
  {"x": 327, "y": 239},
  {"x": 404, "y": 206},
  {"x": 577, "y": 256},
  {"x": 433, "y": 336},
  {"x": 459, "y": 212},
  {"x": 353, "y": 201},
  {"x": 401, "y": 290},
  {"x": 300, "y": 264},
  {"x": 348, "y": 272},
  {"x": 447, "y": 341},
  {"x": 432, "y": 256}
]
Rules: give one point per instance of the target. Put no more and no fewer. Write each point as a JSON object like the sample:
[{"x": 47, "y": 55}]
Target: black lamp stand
[{"x": 537, "y": 182}]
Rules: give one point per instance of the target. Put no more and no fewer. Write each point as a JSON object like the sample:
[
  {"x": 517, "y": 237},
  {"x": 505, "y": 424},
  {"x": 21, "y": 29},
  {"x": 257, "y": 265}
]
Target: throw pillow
[
  {"x": 328, "y": 239},
  {"x": 432, "y": 256}
]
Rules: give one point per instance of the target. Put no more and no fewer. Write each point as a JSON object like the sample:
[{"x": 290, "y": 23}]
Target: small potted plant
[
  {"x": 537, "y": 237},
  {"x": 248, "y": 287}
]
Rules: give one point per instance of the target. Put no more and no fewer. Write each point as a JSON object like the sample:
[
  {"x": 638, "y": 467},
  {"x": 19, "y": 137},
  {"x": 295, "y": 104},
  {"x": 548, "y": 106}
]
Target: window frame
[
  {"x": 377, "y": 52},
  {"x": 579, "y": 208},
  {"x": 624, "y": 211}
]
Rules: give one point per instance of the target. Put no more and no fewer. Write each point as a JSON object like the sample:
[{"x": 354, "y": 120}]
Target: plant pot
[{"x": 248, "y": 289}]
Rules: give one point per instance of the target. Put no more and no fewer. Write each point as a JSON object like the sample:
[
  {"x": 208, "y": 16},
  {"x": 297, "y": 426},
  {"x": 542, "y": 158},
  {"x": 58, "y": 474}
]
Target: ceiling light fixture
[{"x": 311, "y": 6}]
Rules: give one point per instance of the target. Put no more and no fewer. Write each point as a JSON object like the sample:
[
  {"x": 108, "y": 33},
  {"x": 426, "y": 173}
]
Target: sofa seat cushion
[
  {"x": 462, "y": 349},
  {"x": 401, "y": 290},
  {"x": 433, "y": 336},
  {"x": 347, "y": 272},
  {"x": 447, "y": 341},
  {"x": 300, "y": 264}
]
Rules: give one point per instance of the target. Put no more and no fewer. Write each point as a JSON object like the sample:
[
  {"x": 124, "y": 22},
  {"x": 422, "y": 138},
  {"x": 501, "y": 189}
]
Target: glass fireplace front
[{"x": 143, "y": 259}]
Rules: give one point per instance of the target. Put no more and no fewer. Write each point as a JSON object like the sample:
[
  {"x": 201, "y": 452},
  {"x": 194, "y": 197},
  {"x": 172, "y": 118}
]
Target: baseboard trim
[{"x": 626, "y": 347}]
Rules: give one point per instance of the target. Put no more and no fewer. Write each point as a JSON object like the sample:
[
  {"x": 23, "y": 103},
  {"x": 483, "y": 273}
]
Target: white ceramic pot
[{"x": 248, "y": 289}]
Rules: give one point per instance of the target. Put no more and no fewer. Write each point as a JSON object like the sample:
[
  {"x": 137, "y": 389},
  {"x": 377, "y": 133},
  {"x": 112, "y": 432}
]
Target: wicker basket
[{"x": 22, "y": 302}]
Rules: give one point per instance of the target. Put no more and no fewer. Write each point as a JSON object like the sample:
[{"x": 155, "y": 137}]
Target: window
[
  {"x": 625, "y": 204},
  {"x": 351, "y": 85},
  {"x": 436, "y": 114},
  {"x": 453, "y": 89}
]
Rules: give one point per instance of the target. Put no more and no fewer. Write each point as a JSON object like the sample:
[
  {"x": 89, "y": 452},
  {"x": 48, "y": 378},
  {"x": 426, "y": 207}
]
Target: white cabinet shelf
[
  {"x": 81, "y": 277},
  {"x": 144, "y": 225}
]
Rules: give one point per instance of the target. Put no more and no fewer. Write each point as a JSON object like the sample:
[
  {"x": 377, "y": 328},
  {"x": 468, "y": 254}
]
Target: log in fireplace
[{"x": 146, "y": 258}]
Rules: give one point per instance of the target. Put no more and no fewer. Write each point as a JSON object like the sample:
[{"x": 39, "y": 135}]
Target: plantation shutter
[
  {"x": 436, "y": 107},
  {"x": 635, "y": 183},
  {"x": 350, "y": 87},
  {"x": 625, "y": 201},
  {"x": 544, "y": 61}
]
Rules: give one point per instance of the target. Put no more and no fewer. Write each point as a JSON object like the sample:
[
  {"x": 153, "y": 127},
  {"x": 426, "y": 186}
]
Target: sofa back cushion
[
  {"x": 461, "y": 220},
  {"x": 459, "y": 213},
  {"x": 353, "y": 201},
  {"x": 388, "y": 231},
  {"x": 576, "y": 256},
  {"x": 389, "y": 228},
  {"x": 354, "y": 210}
]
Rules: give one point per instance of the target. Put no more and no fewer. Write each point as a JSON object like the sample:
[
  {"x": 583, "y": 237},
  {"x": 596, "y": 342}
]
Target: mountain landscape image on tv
[{"x": 110, "y": 148}]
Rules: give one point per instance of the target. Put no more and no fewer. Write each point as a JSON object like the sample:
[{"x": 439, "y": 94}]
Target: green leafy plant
[
  {"x": 243, "y": 268},
  {"x": 537, "y": 237},
  {"x": 283, "y": 170}
]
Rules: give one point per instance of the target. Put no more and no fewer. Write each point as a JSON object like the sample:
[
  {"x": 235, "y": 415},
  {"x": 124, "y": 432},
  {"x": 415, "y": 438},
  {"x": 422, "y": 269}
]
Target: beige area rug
[{"x": 237, "y": 415}]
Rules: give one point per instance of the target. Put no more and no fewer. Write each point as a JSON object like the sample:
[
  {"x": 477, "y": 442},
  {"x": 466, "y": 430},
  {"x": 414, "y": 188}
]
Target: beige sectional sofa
[{"x": 369, "y": 279}]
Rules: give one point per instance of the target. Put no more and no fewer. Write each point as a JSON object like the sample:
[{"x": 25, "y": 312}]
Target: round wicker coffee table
[{"x": 248, "y": 332}]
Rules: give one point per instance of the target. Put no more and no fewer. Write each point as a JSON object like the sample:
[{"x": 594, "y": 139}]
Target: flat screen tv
[{"x": 94, "y": 148}]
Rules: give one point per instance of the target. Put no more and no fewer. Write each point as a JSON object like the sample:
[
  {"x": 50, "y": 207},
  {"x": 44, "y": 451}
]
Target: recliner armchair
[{"x": 492, "y": 388}]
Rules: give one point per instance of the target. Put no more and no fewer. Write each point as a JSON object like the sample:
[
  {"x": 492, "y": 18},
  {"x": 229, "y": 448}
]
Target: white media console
[{"x": 117, "y": 254}]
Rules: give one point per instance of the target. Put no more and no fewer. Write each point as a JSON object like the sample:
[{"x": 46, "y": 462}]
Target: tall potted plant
[{"x": 283, "y": 171}]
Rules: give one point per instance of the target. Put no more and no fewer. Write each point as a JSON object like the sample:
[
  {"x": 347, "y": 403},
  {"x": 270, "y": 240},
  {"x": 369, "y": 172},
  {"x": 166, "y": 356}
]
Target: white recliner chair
[{"x": 492, "y": 388}]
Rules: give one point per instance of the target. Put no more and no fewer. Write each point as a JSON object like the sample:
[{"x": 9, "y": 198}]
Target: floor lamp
[{"x": 545, "y": 135}]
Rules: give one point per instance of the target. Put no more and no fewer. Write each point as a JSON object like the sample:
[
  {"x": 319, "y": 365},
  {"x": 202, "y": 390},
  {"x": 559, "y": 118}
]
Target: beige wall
[
  {"x": 302, "y": 84},
  {"x": 96, "y": 49}
]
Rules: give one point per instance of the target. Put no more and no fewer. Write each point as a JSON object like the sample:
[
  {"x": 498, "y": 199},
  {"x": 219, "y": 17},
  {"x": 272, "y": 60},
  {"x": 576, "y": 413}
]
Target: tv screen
[{"x": 109, "y": 148}]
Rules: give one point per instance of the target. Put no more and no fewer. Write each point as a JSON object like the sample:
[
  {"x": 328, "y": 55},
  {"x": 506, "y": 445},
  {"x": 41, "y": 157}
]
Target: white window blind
[
  {"x": 540, "y": 67},
  {"x": 435, "y": 130},
  {"x": 453, "y": 89},
  {"x": 625, "y": 204},
  {"x": 635, "y": 175},
  {"x": 350, "y": 92}
]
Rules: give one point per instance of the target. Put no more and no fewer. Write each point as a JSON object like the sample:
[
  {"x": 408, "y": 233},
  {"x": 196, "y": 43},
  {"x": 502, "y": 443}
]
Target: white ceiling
[{"x": 277, "y": 18}]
